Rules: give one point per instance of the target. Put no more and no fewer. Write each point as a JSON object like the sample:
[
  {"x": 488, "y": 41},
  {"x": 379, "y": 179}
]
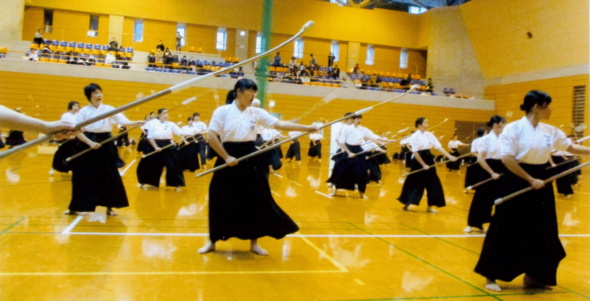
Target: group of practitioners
[{"x": 522, "y": 237}]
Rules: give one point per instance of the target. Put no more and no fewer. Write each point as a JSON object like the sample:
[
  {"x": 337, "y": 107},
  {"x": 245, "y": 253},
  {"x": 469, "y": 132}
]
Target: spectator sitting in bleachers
[
  {"x": 167, "y": 59},
  {"x": 110, "y": 58},
  {"x": 336, "y": 72},
  {"x": 113, "y": 45},
  {"x": 151, "y": 60},
  {"x": 31, "y": 55},
  {"x": 160, "y": 46},
  {"x": 192, "y": 64},
  {"x": 184, "y": 63}
]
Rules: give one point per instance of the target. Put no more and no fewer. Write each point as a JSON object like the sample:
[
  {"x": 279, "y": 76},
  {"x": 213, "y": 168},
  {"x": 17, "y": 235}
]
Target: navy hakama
[
  {"x": 415, "y": 184},
  {"x": 480, "y": 211},
  {"x": 240, "y": 201},
  {"x": 523, "y": 235}
]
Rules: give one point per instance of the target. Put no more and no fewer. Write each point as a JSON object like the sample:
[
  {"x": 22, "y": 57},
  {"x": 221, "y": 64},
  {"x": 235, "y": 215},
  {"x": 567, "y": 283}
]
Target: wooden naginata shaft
[
  {"x": 100, "y": 143},
  {"x": 185, "y": 102},
  {"x": 435, "y": 164},
  {"x": 390, "y": 136},
  {"x": 258, "y": 152},
  {"x": 482, "y": 182},
  {"x": 178, "y": 87},
  {"x": 565, "y": 162},
  {"x": 501, "y": 200},
  {"x": 157, "y": 151}
]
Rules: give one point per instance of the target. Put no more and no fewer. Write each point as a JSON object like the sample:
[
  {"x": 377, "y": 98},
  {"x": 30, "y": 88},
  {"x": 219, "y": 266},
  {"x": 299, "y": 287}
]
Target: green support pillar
[{"x": 263, "y": 63}]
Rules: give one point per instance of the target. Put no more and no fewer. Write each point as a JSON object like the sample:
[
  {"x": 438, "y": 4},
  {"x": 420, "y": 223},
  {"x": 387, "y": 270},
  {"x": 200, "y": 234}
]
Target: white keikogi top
[
  {"x": 101, "y": 126},
  {"x": 162, "y": 130},
  {"x": 200, "y": 126},
  {"x": 454, "y": 144},
  {"x": 233, "y": 125},
  {"x": 531, "y": 145},
  {"x": 355, "y": 135},
  {"x": 68, "y": 117},
  {"x": 490, "y": 144},
  {"x": 423, "y": 140},
  {"x": 475, "y": 144}
]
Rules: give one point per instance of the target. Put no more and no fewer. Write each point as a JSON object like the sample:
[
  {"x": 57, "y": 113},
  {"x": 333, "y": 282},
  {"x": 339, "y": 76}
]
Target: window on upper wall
[
  {"x": 335, "y": 50},
  {"x": 48, "y": 20},
  {"x": 298, "y": 48},
  {"x": 258, "y": 43},
  {"x": 181, "y": 28},
  {"x": 138, "y": 30},
  {"x": 416, "y": 10},
  {"x": 370, "y": 55},
  {"x": 221, "y": 39},
  {"x": 403, "y": 59},
  {"x": 93, "y": 28}
]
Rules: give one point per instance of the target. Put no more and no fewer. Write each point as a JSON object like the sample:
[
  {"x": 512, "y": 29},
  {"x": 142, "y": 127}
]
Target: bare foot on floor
[
  {"x": 111, "y": 212},
  {"x": 209, "y": 247},
  {"x": 491, "y": 285},
  {"x": 256, "y": 249}
]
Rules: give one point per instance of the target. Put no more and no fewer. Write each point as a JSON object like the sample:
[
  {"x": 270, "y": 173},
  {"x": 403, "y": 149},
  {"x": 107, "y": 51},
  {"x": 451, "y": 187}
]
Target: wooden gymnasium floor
[{"x": 347, "y": 248}]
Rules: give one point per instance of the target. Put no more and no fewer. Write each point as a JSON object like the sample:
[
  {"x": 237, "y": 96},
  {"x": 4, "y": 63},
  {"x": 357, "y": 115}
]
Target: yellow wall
[
  {"x": 498, "y": 32},
  {"x": 509, "y": 97}
]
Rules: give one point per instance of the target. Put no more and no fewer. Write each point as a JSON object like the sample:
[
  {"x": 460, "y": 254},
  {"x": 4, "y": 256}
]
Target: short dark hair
[
  {"x": 72, "y": 103},
  {"x": 88, "y": 90}
]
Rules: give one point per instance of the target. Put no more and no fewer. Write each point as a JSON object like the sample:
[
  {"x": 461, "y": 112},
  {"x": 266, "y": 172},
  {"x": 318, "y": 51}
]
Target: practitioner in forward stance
[
  {"x": 488, "y": 157},
  {"x": 95, "y": 178},
  {"x": 240, "y": 202},
  {"x": 523, "y": 237},
  {"x": 421, "y": 142}
]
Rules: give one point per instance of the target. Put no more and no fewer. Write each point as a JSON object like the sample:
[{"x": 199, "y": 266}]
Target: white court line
[
  {"x": 121, "y": 173},
  {"x": 320, "y": 193},
  {"x": 275, "y": 193},
  {"x": 72, "y": 225},
  {"x": 309, "y": 235},
  {"x": 276, "y": 174}
]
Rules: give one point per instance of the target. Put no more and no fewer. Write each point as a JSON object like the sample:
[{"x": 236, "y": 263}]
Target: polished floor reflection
[{"x": 347, "y": 249}]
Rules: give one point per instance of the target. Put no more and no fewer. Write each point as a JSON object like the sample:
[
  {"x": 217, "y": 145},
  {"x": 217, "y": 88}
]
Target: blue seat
[
  {"x": 80, "y": 45},
  {"x": 207, "y": 63},
  {"x": 130, "y": 49},
  {"x": 72, "y": 44},
  {"x": 96, "y": 46},
  {"x": 105, "y": 47},
  {"x": 55, "y": 42},
  {"x": 64, "y": 43},
  {"x": 88, "y": 45}
]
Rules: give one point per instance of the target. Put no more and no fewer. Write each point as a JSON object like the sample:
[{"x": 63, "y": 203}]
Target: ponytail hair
[
  {"x": 535, "y": 97},
  {"x": 496, "y": 119},
  {"x": 419, "y": 121}
]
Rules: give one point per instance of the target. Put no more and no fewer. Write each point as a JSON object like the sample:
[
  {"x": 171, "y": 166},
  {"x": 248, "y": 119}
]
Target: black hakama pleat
[
  {"x": 143, "y": 143},
  {"x": 415, "y": 184},
  {"x": 454, "y": 165},
  {"x": 15, "y": 138},
  {"x": 294, "y": 151},
  {"x": 480, "y": 211},
  {"x": 474, "y": 174},
  {"x": 189, "y": 156},
  {"x": 149, "y": 169},
  {"x": 64, "y": 151},
  {"x": 315, "y": 149},
  {"x": 373, "y": 167},
  {"x": 564, "y": 184},
  {"x": 95, "y": 178},
  {"x": 523, "y": 235},
  {"x": 348, "y": 173},
  {"x": 381, "y": 158},
  {"x": 240, "y": 201}
]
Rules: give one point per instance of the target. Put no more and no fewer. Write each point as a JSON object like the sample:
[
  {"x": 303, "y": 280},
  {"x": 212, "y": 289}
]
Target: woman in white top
[
  {"x": 240, "y": 201},
  {"x": 159, "y": 135},
  {"x": 294, "y": 150},
  {"x": 95, "y": 178},
  {"x": 473, "y": 170},
  {"x": 315, "y": 146},
  {"x": 189, "y": 150},
  {"x": 454, "y": 145},
  {"x": 67, "y": 147},
  {"x": 421, "y": 142},
  {"x": 488, "y": 158},
  {"x": 523, "y": 236}
]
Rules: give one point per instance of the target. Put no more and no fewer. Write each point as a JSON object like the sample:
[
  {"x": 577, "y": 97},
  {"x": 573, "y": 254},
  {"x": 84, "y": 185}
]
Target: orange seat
[{"x": 199, "y": 49}]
